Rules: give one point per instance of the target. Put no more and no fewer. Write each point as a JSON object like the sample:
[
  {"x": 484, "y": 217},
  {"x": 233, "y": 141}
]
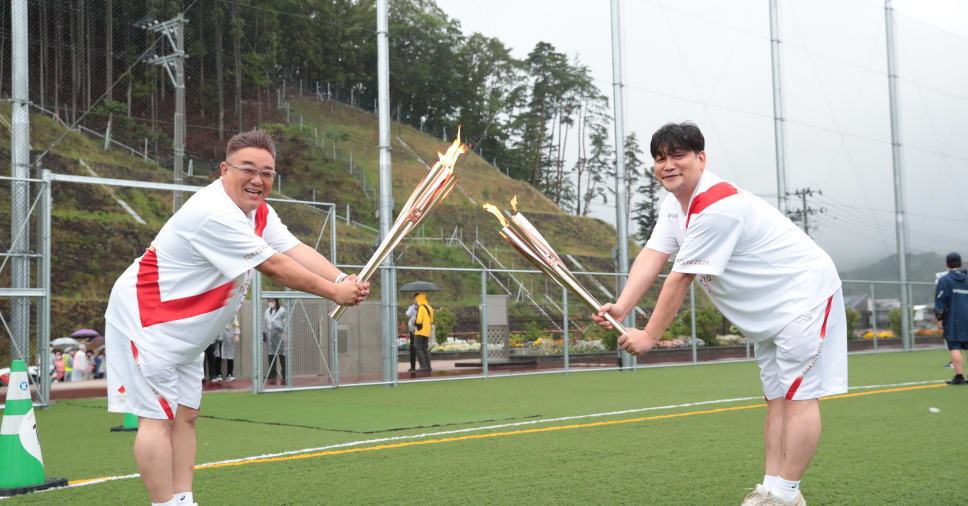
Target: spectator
[
  {"x": 99, "y": 365},
  {"x": 951, "y": 309},
  {"x": 209, "y": 364},
  {"x": 58, "y": 366},
  {"x": 423, "y": 325},
  {"x": 225, "y": 349},
  {"x": 79, "y": 368},
  {"x": 68, "y": 364},
  {"x": 274, "y": 338},
  {"x": 411, "y": 321}
]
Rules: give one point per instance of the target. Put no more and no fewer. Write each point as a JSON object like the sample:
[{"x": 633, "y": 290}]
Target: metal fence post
[
  {"x": 874, "y": 314},
  {"x": 692, "y": 313},
  {"x": 256, "y": 298},
  {"x": 484, "y": 322},
  {"x": 43, "y": 321},
  {"x": 564, "y": 323}
]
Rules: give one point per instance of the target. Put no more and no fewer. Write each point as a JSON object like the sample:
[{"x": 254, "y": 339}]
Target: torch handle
[{"x": 589, "y": 299}]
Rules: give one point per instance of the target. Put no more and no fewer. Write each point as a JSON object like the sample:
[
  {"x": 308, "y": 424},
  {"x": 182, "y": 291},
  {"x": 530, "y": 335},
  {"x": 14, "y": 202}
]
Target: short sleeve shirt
[
  {"x": 757, "y": 267},
  {"x": 176, "y": 298}
]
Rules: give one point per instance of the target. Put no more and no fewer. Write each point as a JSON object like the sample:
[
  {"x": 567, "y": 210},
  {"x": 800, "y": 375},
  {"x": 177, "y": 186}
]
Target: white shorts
[
  {"x": 808, "y": 358},
  {"x": 144, "y": 384}
]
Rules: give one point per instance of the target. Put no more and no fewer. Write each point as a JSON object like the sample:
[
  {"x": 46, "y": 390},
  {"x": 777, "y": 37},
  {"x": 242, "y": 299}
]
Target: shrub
[
  {"x": 853, "y": 317},
  {"x": 707, "y": 322},
  {"x": 444, "y": 320}
]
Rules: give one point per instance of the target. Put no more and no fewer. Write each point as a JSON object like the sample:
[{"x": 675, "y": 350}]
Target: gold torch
[
  {"x": 532, "y": 245},
  {"x": 434, "y": 187}
]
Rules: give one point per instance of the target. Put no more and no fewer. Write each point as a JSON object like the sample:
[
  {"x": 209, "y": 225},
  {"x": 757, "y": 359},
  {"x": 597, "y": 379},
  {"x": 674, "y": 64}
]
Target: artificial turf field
[{"x": 492, "y": 441}]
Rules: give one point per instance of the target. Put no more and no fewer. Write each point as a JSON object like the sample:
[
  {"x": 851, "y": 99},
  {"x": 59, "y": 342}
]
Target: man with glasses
[{"x": 173, "y": 300}]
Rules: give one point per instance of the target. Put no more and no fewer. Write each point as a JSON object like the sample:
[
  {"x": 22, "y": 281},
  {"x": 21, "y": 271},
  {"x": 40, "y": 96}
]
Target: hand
[
  {"x": 349, "y": 292},
  {"x": 611, "y": 309},
  {"x": 236, "y": 338},
  {"x": 636, "y": 341},
  {"x": 940, "y": 325}
]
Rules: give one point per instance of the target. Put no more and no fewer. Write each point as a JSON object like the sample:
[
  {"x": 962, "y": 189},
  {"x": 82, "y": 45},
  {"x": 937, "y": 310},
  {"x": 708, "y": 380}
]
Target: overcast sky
[{"x": 709, "y": 62}]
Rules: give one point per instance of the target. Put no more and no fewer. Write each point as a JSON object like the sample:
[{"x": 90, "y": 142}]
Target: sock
[
  {"x": 169, "y": 502},
  {"x": 785, "y": 489},
  {"x": 184, "y": 498},
  {"x": 768, "y": 481}
]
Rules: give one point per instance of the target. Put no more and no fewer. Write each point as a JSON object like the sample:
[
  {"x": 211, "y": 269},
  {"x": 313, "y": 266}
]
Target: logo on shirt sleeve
[{"x": 250, "y": 256}]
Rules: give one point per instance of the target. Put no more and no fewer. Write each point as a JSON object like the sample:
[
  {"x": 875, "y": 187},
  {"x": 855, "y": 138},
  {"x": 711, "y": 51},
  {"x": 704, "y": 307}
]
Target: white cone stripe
[
  {"x": 19, "y": 388},
  {"x": 11, "y": 425},
  {"x": 28, "y": 436}
]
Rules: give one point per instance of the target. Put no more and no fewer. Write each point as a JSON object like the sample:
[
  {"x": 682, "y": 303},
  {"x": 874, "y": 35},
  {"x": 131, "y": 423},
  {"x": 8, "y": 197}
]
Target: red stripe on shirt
[
  {"x": 134, "y": 351},
  {"x": 153, "y": 310},
  {"x": 714, "y": 194},
  {"x": 166, "y": 407},
  {"x": 261, "y": 218}
]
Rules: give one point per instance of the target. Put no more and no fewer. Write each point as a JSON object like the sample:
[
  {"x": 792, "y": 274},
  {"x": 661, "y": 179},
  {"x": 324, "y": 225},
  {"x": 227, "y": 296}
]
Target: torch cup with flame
[
  {"x": 435, "y": 186},
  {"x": 532, "y": 245}
]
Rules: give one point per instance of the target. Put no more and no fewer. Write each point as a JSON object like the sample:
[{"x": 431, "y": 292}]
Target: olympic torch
[
  {"x": 432, "y": 190},
  {"x": 525, "y": 238}
]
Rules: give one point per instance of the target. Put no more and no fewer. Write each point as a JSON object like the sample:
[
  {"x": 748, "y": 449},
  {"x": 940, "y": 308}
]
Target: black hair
[{"x": 677, "y": 136}]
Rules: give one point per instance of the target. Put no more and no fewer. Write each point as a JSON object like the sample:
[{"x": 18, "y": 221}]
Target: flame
[
  {"x": 456, "y": 149},
  {"x": 491, "y": 208},
  {"x": 514, "y": 203}
]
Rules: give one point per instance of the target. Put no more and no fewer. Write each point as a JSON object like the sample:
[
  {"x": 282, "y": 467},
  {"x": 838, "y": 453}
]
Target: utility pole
[
  {"x": 778, "y": 109},
  {"x": 901, "y": 228},
  {"x": 621, "y": 213},
  {"x": 803, "y": 214},
  {"x": 388, "y": 277},
  {"x": 174, "y": 63},
  {"x": 19, "y": 186}
]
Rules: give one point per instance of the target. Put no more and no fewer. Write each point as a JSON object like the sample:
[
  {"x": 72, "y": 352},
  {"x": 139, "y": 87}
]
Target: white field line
[{"x": 486, "y": 428}]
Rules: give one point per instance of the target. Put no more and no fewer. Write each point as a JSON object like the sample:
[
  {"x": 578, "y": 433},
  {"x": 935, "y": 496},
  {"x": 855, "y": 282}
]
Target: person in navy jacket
[{"x": 951, "y": 309}]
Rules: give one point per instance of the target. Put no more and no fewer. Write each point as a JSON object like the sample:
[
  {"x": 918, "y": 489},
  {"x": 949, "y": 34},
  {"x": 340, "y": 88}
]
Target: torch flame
[
  {"x": 491, "y": 208},
  {"x": 514, "y": 203},
  {"x": 456, "y": 149}
]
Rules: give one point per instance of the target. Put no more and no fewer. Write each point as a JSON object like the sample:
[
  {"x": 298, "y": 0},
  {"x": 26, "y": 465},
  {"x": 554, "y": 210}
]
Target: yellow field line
[{"x": 514, "y": 433}]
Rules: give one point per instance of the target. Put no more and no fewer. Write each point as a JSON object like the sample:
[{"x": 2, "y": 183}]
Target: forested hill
[
  {"x": 90, "y": 62},
  {"x": 921, "y": 267}
]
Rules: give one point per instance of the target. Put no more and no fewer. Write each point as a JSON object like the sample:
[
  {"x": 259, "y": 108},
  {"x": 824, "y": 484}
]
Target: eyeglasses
[{"x": 250, "y": 172}]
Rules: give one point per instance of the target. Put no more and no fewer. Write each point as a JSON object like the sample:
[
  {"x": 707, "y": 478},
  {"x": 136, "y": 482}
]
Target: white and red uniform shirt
[
  {"x": 757, "y": 267},
  {"x": 185, "y": 289}
]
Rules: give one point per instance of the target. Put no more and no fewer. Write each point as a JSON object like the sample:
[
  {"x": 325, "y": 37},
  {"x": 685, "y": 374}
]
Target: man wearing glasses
[{"x": 173, "y": 300}]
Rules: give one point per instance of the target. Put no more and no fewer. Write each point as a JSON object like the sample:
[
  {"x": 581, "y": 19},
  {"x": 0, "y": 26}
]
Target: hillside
[
  {"x": 921, "y": 267},
  {"x": 94, "y": 238}
]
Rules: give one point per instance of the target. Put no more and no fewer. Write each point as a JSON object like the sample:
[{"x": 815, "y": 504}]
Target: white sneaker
[
  {"x": 218, "y": 379},
  {"x": 758, "y": 496},
  {"x": 230, "y": 378},
  {"x": 773, "y": 500}
]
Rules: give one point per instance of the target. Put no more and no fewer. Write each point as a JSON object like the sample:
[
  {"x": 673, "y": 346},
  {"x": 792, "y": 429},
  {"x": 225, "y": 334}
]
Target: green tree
[{"x": 894, "y": 320}]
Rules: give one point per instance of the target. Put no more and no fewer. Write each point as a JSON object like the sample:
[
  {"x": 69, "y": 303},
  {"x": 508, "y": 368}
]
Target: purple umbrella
[
  {"x": 85, "y": 333},
  {"x": 97, "y": 340}
]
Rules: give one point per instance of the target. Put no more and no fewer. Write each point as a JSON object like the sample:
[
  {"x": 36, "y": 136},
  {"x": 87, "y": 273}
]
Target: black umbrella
[{"x": 420, "y": 286}]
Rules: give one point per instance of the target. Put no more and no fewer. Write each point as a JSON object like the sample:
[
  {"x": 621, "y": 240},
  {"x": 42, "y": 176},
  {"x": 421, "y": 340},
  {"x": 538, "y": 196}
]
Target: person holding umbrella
[{"x": 423, "y": 320}]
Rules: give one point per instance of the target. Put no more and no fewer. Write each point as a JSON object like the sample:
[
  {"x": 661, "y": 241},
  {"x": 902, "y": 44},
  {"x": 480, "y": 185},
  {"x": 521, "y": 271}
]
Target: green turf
[{"x": 877, "y": 449}]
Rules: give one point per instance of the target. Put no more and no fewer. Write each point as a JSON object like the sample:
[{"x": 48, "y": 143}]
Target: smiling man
[
  {"x": 170, "y": 304},
  {"x": 767, "y": 277}
]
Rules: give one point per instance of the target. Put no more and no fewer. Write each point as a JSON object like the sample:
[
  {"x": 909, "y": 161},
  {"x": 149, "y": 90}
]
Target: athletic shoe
[
  {"x": 230, "y": 378},
  {"x": 773, "y": 500},
  {"x": 957, "y": 380},
  {"x": 949, "y": 366},
  {"x": 218, "y": 379},
  {"x": 757, "y": 497}
]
